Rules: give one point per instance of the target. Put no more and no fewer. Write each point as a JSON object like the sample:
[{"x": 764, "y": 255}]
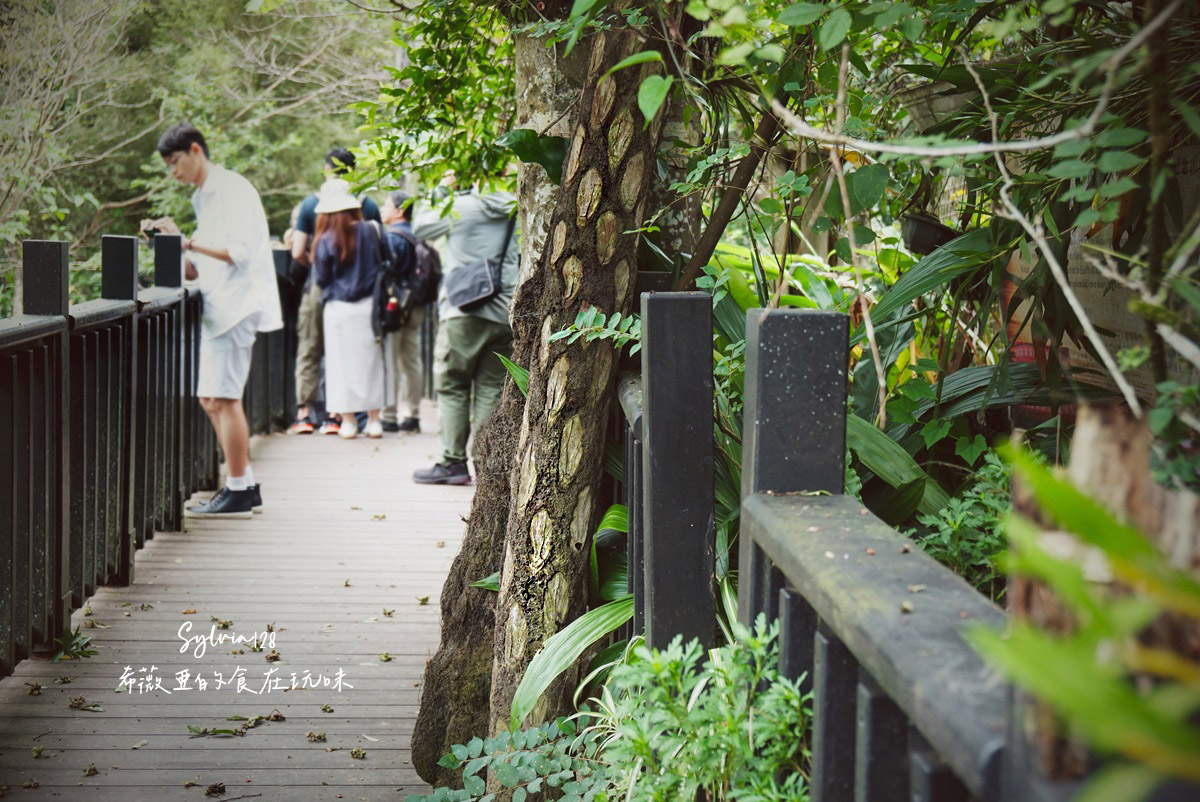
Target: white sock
[
  {"x": 237, "y": 483},
  {"x": 248, "y": 475}
]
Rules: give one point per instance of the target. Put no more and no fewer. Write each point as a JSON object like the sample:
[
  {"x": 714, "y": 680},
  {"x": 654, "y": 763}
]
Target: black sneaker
[
  {"x": 256, "y": 498},
  {"x": 391, "y": 426},
  {"x": 225, "y": 504},
  {"x": 409, "y": 425},
  {"x": 455, "y": 473}
]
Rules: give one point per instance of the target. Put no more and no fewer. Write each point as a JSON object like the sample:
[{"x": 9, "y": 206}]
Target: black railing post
[
  {"x": 45, "y": 275},
  {"x": 119, "y": 282},
  {"x": 794, "y": 428},
  {"x": 677, "y": 460},
  {"x": 168, "y": 260}
]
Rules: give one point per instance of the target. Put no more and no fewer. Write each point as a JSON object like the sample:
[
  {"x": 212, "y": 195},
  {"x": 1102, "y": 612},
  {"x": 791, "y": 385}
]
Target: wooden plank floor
[{"x": 345, "y": 535}]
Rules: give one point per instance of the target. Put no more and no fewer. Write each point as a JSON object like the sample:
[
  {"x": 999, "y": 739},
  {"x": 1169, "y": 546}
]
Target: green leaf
[
  {"x": 801, "y": 14},
  {"x": 548, "y": 151},
  {"x": 1120, "y": 784},
  {"x": 732, "y": 56},
  {"x": 489, "y": 582},
  {"x": 1160, "y": 418},
  {"x": 1189, "y": 116},
  {"x": 833, "y": 31},
  {"x": 1086, "y": 218},
  {"x": 843, "y": 250},
  {"x": 506, "y": 774},
  {"x": 961, "y": 255},
  {"x": 562, "y": 649},
  {"x": 863, "y": 235},
  {"x": 1120, "y": 137},
  {"x": 652, "y": 93},
  {"x": 636, "y": 58},
  {"x": 1115, "y": 161},
  {"x": 934, "y": 431},
  {"x": 770, "y": 206},
  {"x": 912, "y": 28},
  {"x": 969, "y": 449},
  {"x": 868, "y": 183},
  {"x": 1070, "y": 169},
  {"x": 616, "y": 518},
  {"x": 890, "y": 462},
  {"x": 1119, "y": 187},
  {"x": 519, "y": 374}
]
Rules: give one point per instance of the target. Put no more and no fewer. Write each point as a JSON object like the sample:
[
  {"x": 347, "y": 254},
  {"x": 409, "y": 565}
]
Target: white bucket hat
[{"x": 335, "y": 196}]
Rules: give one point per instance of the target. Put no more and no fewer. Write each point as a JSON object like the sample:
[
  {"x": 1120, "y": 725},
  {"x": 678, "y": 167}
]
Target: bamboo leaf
[
  {"x": 519, "y": 374},
  {"x": 890, "y": 462},
  {"x": 636, "y": 58},
  {"x": 652, "y": 93},
  {"x": 562, "y": 649},
  {"x": 489, "y": 582}
]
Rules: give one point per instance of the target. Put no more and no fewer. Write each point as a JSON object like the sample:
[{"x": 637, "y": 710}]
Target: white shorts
[{"x": 225, "y": 361}]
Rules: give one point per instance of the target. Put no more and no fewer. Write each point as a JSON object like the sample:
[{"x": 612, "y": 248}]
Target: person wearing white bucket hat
[{"x": 346, "y": 261}]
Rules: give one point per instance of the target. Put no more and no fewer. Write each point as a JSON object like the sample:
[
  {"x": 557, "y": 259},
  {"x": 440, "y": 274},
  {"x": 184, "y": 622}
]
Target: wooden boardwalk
[{"x": 346, "y": 563}]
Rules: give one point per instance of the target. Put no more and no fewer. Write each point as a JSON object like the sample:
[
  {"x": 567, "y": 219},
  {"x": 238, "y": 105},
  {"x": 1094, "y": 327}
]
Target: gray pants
[{"x": 405, "y": 369}]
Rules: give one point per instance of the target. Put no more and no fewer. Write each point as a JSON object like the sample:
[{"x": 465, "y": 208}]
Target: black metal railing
[
  {"x": 104, "y": 439},
  {"x": 903, "y": 707}
]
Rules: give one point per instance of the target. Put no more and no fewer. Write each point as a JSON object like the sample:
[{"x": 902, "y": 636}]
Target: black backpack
[
  {"x": 390, "y": 307},
  {"x": 424, "y": 269}
]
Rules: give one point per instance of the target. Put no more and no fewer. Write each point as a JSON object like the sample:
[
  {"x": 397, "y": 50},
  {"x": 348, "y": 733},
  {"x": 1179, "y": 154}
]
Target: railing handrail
[
  {"x": 152, "y": 298},
  {"x": 902, "y": 615},
  {"x": 21, "y": 328},
  {"x": 90, "y": 314}
]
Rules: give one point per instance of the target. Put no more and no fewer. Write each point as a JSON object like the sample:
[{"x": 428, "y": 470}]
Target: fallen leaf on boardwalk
[
  {"x": 327, "y": 628},
  {"x": 346, "y": 584},
  {"x": 356, "y": 508},
  {"x": 91, "y": 770},
  {"x": 127, "y": 614},
  {"x": 379, "y": 517},
  {"x": 388, "y": 612},
  {"x": 216, "y": 789},
  {"x": 30, "y": 784},
  {"x": 369, "y": 738},
  {"x": 188, "y": 611},
  {"x": 385, "y": 658},
  {"x": 87, "y": 611},
  {"x": 140, "y": 744},
  {"x": 190, "y": 784},
  {"x": 63, "y": 680},
  {"x": 326, "y": 708},
  {"x": 315, "y": 736},
  {"x": 441, "y": 544},
  {"x": 277, "y": 716},
  {"x": 422, "y": 600},
  {"x": 916, "y": 588},
  {"x": 870, "y": 552},
  {"x": 358, "y": 754},
  {"x": 273, "y": 656},
  {"x": 37, "y": 751},
  {"x": 906, "y": 607},
  {"x": 35, "y": 688}
]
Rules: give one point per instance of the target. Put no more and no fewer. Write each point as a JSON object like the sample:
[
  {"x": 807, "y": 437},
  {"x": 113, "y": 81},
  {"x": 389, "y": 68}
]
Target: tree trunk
[
  {"x": 1110, "y": 461},
  {"x": 588, "y": 260},
  {"x": 457, "y": 682}
]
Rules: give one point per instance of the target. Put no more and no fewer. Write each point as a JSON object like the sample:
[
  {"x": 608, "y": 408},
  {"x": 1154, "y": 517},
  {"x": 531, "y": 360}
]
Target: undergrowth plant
[{"x": 667, "y": 725}]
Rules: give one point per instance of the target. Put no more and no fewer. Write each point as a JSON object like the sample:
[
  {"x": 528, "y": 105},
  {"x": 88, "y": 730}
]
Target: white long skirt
[{"x": 354, "y": 361}]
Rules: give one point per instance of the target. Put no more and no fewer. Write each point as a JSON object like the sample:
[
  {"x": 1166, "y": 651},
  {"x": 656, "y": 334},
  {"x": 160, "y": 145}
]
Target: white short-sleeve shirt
[{"x": 230, "y": 216}]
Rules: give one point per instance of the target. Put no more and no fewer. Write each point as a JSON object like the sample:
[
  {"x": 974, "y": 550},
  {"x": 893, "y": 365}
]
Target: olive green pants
[{"x": 466, "y": 370}]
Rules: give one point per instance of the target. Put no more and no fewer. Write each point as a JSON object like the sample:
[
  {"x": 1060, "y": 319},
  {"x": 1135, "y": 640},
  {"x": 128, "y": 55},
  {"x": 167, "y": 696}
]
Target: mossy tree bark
[
  {"x": 457, "y": 682},
  {"x": 588, "y": 260}
]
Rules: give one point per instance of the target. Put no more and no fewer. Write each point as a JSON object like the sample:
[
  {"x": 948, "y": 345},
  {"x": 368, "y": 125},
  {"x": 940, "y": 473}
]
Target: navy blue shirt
[
  {"x": 347, "y": 281},
  {"x": 401, "y": 250}
]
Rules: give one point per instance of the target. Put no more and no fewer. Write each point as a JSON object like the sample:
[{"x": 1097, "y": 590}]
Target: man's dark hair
[
  {"x": 340, "y": 160},
  {"x": 399, "y": 199},
  {"x": 180, "y": 137}
]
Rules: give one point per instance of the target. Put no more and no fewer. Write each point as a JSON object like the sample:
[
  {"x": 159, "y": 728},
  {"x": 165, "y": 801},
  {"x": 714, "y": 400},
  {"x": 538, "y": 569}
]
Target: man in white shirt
[{"x": 229, "y": 258}]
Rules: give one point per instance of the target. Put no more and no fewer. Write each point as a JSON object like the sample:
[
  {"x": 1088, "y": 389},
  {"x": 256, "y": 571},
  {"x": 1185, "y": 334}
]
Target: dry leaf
[
  {"x": 140, "y": 744},
  {"x": 188, "y": 611}
]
